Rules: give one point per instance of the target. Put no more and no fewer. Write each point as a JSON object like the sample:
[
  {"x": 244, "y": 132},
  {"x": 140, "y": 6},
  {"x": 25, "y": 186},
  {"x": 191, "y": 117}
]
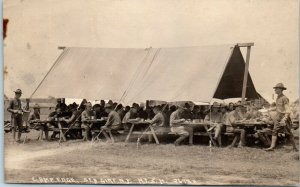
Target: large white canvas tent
[{"x": 136, "y": 75}]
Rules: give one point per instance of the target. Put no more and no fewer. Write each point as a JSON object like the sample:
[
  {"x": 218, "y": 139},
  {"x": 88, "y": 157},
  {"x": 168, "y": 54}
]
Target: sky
[{"x": 36, "y": 28}]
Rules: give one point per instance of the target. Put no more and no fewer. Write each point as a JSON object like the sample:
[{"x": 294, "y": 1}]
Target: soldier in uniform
[
  {"x": 15, "y": 108},
  {"x": 35, "y": 117},
  {"x": 215, "y": 119},
  {"x": 85, "y": 116},
  {"x": 282, "y": 119},
  {"x": 158, "y": 121},
  {"x": 113, "y": 122},
  {"x": 175, "y": 122}
]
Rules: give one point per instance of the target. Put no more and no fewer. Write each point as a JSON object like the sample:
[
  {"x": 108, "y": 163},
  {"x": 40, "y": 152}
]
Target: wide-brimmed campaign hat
[
  {"x": 280, "y": 85},
  {"x": 36, "y": 106},
  {"x": 108, "y": 105},
  {"x": 223, "y": 105},
  {"x": 215, "y": 105},
  {"x": 18, "y": 91},
  {"x": 135, "y": 105}
]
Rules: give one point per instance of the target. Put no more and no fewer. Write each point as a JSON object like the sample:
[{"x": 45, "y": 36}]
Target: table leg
[
  {"x": 210, "y": 136},
  {"x": 61, "y": 132},
  {"x": 111, "y": 136},
  {"x": 129, "y": 134},
  {"x": 153, "y": 133}
]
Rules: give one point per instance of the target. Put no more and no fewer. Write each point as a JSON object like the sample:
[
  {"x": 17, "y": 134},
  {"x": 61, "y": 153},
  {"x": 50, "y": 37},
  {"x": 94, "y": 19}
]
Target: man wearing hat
[
  {"x": 215, "y": 119},
  {"x": 34, "y": 117},
  {"x": 158, "y": 121},
  {"x": 15, "y": 108},
  {"x": 130, "y": 115},
  {"x": 282, "y": 120},
  {"x": 176, "y": 120},
  {"x": 113, "y": 122},
  {"x": 233, "y": 116},
  {"x": 86, "y": 115}
]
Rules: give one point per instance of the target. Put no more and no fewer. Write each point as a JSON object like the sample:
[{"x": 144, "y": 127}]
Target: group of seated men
[{"x": 220, "y": 118}]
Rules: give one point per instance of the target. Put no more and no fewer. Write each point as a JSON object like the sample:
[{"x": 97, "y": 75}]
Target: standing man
[
  {"x": 282, "y": 120},
  {"x": 175, "y": 122},
  {"x": 15, "y": 108}
]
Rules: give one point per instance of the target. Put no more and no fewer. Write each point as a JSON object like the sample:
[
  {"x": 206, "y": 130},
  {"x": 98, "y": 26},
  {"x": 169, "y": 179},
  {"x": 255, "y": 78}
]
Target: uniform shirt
[
  {"x": 33, "y": 116},
  {"x": 225, "y": 117},
  {"x": 158, "y": 120},
  {"x": 196, "y": 114},
  {"x": 142, "y": 114},
  {"x": 15, "y": 104},
  {"x": 86, "y": 115},
  {"x": 253, "y": 114},
  {"x": 113, "y": 119},
  {"x": 214, "y": 117},
  {"x": 233, "y": 116},
  {"x": 121, "y": 113},
  {"x": 54, "y": 115},
  {"x": 187, "y": 114},
  {"x": 282, "y": 104},
  {"x": 76, "y": 115},
  {"x": 175, "y": 119},
  {"x": 129, "y": 115}
]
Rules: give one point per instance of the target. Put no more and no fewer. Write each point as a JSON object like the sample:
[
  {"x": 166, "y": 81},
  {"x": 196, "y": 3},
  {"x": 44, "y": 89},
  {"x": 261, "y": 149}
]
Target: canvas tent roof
[{"x": 136, "y": 75}]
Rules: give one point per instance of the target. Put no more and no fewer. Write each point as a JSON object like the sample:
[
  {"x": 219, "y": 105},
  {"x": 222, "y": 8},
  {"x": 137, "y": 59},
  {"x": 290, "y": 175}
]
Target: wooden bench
[{"x": 99, "y": 131}]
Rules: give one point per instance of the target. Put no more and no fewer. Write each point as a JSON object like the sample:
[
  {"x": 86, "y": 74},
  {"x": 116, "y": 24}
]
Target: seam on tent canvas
[
  {"x": 56, "y": 61},
  {"x": 147, "y": 70},
  {"x": 219, "y": 80},
  {"x": 134, "y": 77}
]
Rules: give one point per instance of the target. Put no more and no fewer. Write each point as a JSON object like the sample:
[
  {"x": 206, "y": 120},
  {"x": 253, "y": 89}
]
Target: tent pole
[{"x": 246, "y": 74}]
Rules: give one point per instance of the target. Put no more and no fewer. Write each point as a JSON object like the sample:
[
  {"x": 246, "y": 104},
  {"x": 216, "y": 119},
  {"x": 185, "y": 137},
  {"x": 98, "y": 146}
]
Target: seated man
[
  {"x": 234, "y": 116},
  {"x": 196, "y": 113},
  {"x": 35, "y": 117},
  {"x": 74, "y": 121},
  {"x": 86, "y": 115},
  {"x": 131, "y": 115},
  {"x": 113, "y": 122},
  {"x": 54, "y": 117},
  {"x": 214, "y": 118},
  {"x": 252, "y": 112},
  {"x": 187, "y": 114},
  {"x": 263, "y": 134},
  {"x": 157, "y": 121},
  {"x": 175, "y": 122}
]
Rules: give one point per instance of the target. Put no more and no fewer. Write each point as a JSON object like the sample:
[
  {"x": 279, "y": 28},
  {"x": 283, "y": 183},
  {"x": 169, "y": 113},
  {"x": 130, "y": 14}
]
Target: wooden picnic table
[
  {"x": 193, "y": 125},
  {"x": 148, "y": 130},
  {"x": 249, "y": 123}
]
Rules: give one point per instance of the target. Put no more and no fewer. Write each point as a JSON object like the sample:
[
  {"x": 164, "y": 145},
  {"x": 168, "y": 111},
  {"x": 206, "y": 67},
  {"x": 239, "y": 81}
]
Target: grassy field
[{"x": 103, "y": 163}]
